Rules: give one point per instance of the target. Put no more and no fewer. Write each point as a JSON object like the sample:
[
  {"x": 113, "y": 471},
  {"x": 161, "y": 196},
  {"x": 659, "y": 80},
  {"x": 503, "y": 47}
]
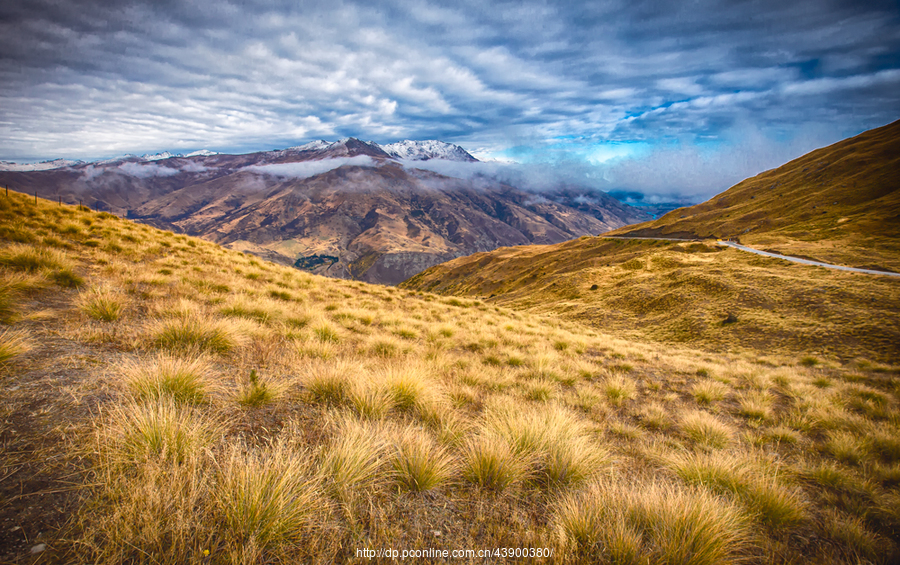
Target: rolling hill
[{"x": 839, "y": 204}]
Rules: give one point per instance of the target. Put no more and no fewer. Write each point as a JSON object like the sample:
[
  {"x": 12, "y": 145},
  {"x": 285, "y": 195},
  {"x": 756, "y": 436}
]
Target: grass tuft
[
  {"x": 619, "y": 389},
  {"x": 650, "y": 522},
  {"x": 157, "y": 431},
  {"x": 330, "y": 383},
  {"x": 355, "y": 458},
  {"x": 101, "y": 303},
  {"x": 193, "y": 332},
  {"x": 268, "y": 500},
  {"x": 185, "y": 379},
  {"x": 489, "y": 462},
  {"x": 707, "y": 392},
  {"x": 774, "y": 504},
  {"x": 706, "y": 430},
  {"x": 13, "y": 343},
  {"x": 419, "y": 463},
  {"x": 256, "y": 392}
]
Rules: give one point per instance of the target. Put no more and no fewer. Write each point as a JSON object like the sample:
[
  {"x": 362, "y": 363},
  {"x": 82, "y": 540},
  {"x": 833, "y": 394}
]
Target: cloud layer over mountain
[{"x": 524, "y": 80}]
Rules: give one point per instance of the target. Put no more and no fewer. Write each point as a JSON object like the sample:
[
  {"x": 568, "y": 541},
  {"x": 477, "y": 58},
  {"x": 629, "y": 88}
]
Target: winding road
[
  {"x": 806, "y": 261},
  {"x": 773, "y": 255}
]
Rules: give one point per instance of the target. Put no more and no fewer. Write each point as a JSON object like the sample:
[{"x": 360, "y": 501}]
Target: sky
[{"x": 667, "y": 100}]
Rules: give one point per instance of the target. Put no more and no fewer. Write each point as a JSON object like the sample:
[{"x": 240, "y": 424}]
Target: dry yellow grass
[{"x": 284, "y": 417}]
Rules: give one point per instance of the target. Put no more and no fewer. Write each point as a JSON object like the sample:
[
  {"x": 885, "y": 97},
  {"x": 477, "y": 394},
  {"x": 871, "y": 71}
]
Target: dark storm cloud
[{"x": 90, "y": 79}]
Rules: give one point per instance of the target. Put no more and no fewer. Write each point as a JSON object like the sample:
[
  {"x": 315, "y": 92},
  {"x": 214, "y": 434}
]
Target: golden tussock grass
[
  {"x": 753, "y": 482},
  {"x": 13, "y": 343},
  {"x": 612, "y": 522},
  {"x": 209, "y": 414},
  {"x": 193, "y": 332},
  {"x": 183, "y": 379},
  {"x": 102, "y": 304},
  {"x": 419, "y": 462},
  {"x": 706, "y": 430}
]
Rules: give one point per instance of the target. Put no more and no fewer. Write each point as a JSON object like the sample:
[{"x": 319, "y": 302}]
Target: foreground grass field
[{"x": 169, "y": 401}]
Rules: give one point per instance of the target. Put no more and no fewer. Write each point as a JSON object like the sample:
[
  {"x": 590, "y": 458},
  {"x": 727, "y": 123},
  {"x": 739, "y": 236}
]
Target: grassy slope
[
  {"x": 682, "y": 293},
  {"x": 163, "y": 397},
  {"x": 839, "y": 204}
]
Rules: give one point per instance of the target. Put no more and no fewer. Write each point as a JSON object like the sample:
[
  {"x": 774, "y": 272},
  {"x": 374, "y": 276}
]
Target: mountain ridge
[{"x": 369, "y": 214}]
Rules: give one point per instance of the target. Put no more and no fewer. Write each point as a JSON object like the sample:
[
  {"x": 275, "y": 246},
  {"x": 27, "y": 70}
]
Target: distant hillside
[
  {"x": 837, "y": 204},
  {"x": 703, "y": 294},
  {"x": 348, "y": 209}
]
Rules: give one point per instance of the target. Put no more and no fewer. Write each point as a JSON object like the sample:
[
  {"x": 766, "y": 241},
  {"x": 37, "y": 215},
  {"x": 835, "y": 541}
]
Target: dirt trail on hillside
[{"x": 49, "y": 397}]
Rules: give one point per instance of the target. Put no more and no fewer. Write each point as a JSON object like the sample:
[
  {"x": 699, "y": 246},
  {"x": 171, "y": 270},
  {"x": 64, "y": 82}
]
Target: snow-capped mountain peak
[
  {"x": 406, "y": 149},
  {"x": 427, "y": 149},
  {"x": 159, "y": 156},
  {"x": 201, "y": 153},
  {"x": 316, "y": 145}
]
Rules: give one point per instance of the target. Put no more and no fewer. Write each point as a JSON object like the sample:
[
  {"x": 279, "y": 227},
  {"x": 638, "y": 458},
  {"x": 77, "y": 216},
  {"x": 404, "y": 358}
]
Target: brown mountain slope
[
  {"x": 726, "y": 299},
  {"x": 348, "y": 210},
  {"x": 839, "y": 204}
]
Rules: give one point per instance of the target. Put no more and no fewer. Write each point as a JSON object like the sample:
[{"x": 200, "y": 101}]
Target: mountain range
[
  {"x": 348, "y": 209},
  {"x": 839, "y": 204}
]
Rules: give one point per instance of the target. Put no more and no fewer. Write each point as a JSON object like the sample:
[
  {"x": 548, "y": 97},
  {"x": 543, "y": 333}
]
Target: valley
[
  {"x": 648, "y": 280},
  {"x": 382, "y": 217}
]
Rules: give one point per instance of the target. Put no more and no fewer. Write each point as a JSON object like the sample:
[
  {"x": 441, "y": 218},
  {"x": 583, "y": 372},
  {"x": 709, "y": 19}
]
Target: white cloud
[
  {"x": 306, "y": 169},
  {"x": 147, "y": 171}
]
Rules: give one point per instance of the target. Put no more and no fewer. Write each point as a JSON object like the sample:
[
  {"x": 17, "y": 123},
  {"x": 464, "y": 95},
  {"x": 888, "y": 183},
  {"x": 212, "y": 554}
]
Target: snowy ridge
[
  {"x": 159, "y": 156},
  {"x": 427, "y": 149},
  {"x": 317, "y": 145},
  {"x": 169, "y": 155},
  {"x": 42, "y": 166},
  {"x": 408, "y": 150}
]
